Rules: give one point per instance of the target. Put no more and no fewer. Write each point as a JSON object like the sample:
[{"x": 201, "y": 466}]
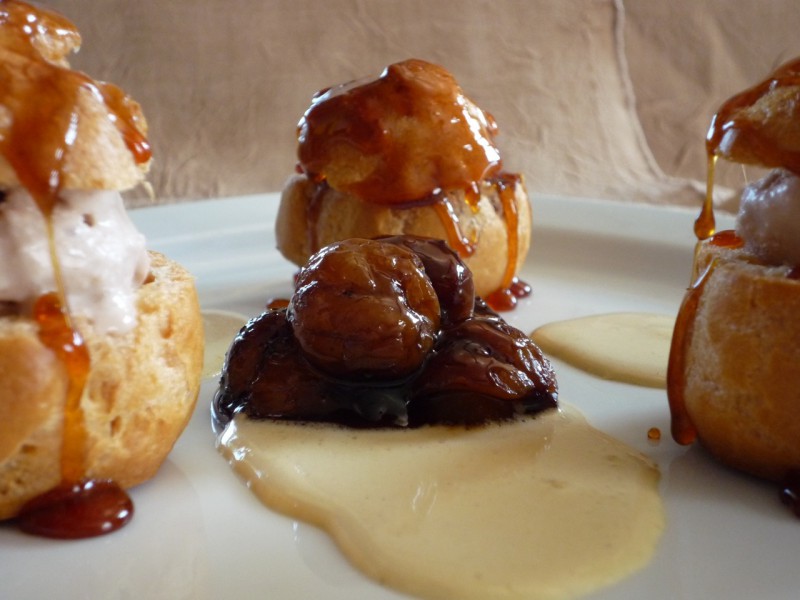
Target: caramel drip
[
  {"x": 77, "y": 507},
  {"x": 683, "y": 430},
  {"x": 125, "y": 114},
  {"x": 57, "y": 333},
  {"x": 472, "y": 196},
  {"x": 729, "y": 118},
  {"x": 37, "y": 135},
  {"x": 727, "y": 239},
  {"x": 410, "y": 138},
  {"x": 39, "y": 96},
  {"x": 399, "y": 137},
  {"x": 456, "y": 239},
  {"x": 705, "y": 225},
  {"x": 506, "y": 187},
  {"x": 511, "y": 288},
  {"x": 87, "y": 508}
]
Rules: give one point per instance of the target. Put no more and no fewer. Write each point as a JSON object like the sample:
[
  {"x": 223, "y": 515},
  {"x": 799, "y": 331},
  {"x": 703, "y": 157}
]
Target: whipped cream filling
[
  {"x": 102, "y": 256},
  {"x": 769, "y": 218}
]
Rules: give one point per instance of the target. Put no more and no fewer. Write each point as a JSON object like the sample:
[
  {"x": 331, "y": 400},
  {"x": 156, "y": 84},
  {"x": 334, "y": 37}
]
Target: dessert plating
[
  {"x": 390, "y": 406},
  {"x": 385, "y": 332},
  {"x": 407, "y": 153}
]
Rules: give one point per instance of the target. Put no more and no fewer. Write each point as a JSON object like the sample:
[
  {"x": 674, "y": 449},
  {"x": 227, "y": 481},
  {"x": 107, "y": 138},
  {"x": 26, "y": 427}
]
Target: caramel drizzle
[
  {"x": 124, "y": 113},
  {"x": 760, "y": 145},
  {"x": 728, "y": 119},
  {"x": 42, "y": 100},
  {"x": 505, "y": 297},
  {"x": 456, "y": 239},
  {"x": 511, "y": 288},
  {"x": 682, "y": 428},
  {"x": 462, "y": 156},
  {"x": 37, "y": 132},
  {"x": 705, "y": 224},
  {"x": 57, "y": 333},
  {"x": 724, "y": 121},
  {"x": 40, "y": 133}
]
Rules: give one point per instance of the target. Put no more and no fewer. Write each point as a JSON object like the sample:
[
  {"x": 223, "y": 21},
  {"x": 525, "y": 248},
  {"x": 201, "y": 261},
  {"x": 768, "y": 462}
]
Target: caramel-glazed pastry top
[
  {"x": 398, "y": 138},
  {"x": 733, "y": 375},
  {"x": 79, "y": 134}
]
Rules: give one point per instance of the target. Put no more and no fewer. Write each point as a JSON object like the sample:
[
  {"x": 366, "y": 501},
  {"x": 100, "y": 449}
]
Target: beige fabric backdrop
[{"x": 599, "y": 98}]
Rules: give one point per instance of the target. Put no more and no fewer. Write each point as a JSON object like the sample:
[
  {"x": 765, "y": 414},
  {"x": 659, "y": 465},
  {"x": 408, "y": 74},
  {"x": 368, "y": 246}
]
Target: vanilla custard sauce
[
  {"x": 626, "y": 347},
  {"x": 544, "y": 507}
]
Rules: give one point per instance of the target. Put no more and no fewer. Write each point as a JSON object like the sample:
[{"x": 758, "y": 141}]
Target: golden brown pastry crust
[
  {"x": 339, "y": 216},
  {"x": 141, "y": 391},
  {"x": 742, "y": 374},
  {"x": 36, "y": 45},
  {"x": 768, "y": 130},
  {"x": 99, "y": 159}
]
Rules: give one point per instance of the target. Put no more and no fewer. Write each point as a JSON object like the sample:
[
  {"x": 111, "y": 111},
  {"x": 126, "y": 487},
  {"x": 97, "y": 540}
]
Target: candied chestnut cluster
[{"x": 384, "y": 332}]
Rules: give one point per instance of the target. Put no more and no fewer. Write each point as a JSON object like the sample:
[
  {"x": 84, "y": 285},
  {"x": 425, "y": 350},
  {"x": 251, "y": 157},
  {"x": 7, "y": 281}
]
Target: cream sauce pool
[
  {"x": 544, "y": 507},
  {"x": 626, "y": 347}
]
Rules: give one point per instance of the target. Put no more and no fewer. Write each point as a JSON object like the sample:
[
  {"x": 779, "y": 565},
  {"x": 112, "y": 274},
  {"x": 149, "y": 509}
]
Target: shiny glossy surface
[
  {"x": 384, "y": 332},
  {"x": 762, "y": 142},
  {"x": 733, "y": 131},
  {"x": 683, "y": 430},
  {"x": 731, "y": 126},
  {"x": 83, "y": 509},
  {"x": 38, "y": 135},
  {"x": 525, "y": 509},
  {"x": 726, "y": 534},
  {"x": 40, "y": 97},
  {"x": 397, "y": 138},
  {"x": 364, "y": 309},
  {"x": 411, "y": 137}
]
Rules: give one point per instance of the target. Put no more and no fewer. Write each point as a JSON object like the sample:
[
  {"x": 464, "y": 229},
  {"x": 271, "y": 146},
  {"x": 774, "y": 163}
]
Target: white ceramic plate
[{"x": 199, "y": 533}]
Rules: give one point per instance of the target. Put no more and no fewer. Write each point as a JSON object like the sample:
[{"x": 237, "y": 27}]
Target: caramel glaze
[
  {"x": 478, "y": 369},
  {"x": 767, "y": 153},
  {"x": 40, "y": 95},
  {"x": 730, "y": 119},
  {"x": 367, "y": 122},
  {"x": 682, "y": 428}
]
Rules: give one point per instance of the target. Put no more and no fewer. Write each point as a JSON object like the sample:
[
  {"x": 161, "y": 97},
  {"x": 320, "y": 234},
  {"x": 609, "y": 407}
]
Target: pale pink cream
[
  {"x": 769, "y": 218},
  {"x": 101, "y": 254}
]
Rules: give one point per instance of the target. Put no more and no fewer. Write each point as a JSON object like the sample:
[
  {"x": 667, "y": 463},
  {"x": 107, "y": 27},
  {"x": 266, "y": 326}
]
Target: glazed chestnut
[
  {"x": 384, "y": 333},
  {"x": 482, "y": 370},
  {"x": 263, "y": 355},
  {"x": 266, "y": 376},
  {"x": 365, "y": 308},
  {"x": 449, "y": 276}
]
